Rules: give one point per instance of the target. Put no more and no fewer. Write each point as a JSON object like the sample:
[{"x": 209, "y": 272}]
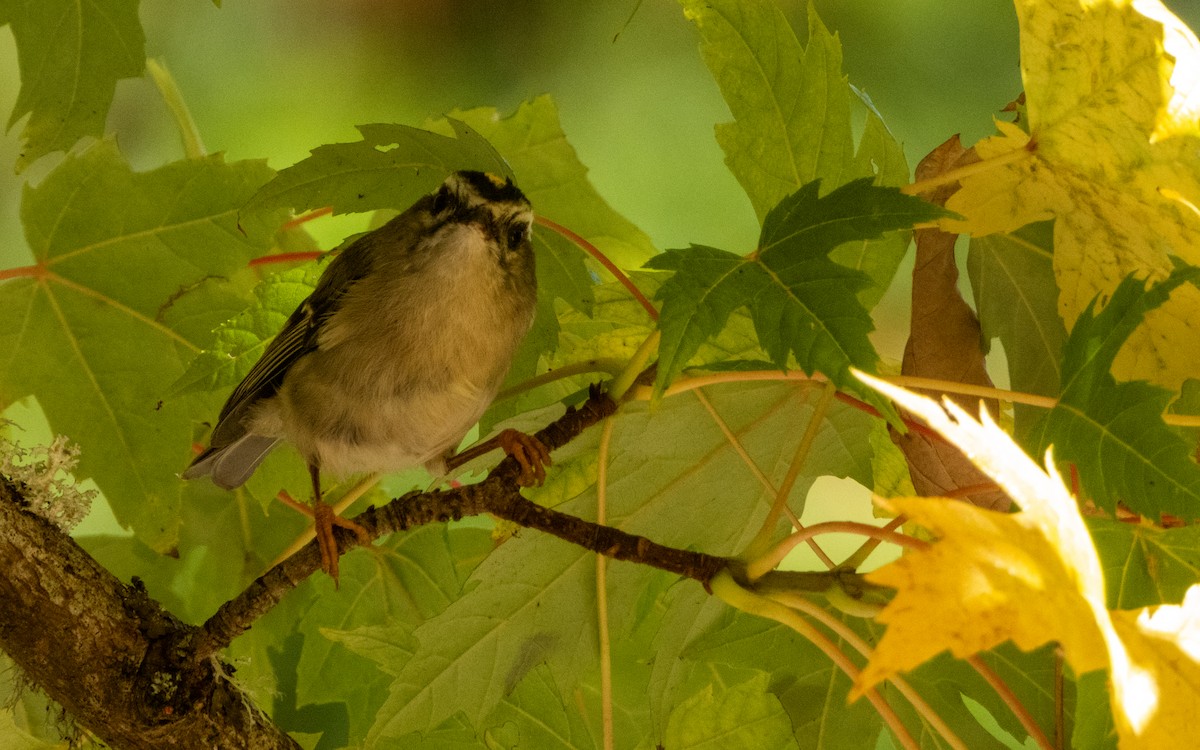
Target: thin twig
[
  {"x": 968, "y": 170},
  {"x": 604, "y": 260},
  {"x": 769, "y": 559},
  {"x": 803, "y": 604},
  {"x": 498, "y": 495},
  {"x": 1011, "y": 700},
  {"x": 860, "y": 555},
  {"x": 606, "y": 694}
]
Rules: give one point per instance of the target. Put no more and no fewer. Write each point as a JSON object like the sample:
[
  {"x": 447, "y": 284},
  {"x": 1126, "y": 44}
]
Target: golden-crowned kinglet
[{"x": 396, "y": 353}]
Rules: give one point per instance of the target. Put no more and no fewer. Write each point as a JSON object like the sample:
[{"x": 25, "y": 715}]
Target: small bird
[{"x": 397, "y": 352}]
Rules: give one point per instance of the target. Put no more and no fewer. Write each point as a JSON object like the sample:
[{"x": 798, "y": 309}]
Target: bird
[{"x": 396, "y": 354}]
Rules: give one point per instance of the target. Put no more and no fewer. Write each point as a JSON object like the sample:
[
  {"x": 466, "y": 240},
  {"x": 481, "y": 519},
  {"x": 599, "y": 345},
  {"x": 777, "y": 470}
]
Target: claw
[
  {"x": 323, "y": 515},
  {"x": 324, "y": 520},
  {"x": 530, "y": 453}
]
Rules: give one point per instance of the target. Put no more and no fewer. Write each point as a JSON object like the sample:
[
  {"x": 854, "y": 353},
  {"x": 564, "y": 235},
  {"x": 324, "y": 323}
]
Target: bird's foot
[
  {"x": 326, "y": 519},
  {"x": 529, "y": 452}
]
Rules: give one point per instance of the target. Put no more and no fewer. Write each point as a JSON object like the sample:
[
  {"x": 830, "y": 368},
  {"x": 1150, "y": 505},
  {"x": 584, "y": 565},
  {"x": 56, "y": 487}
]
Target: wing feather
[{"x": 298, "y": 338}]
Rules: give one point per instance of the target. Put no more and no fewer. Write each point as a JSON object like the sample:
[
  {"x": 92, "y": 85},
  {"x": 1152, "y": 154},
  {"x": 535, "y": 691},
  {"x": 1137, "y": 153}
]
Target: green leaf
[
  {"x": 878, "y": 154},
  {"x": 790, "y": 103},
  {"x": 746, "y": 715},
  {"x": 542, "y": 716},
  {"x": 889, "y": 467},
  {"x": 403, "y": 582},
  {"x": 814, "y": 696},
  {"x": 550, "y": 174},
  {"x": 27, "y": 714},
  {"x": 1012, "y": 277},
  {"x": 1113, "y": 432},
  {"x": 71, "y": 55},
  {"x": 672, "y": 477},
  {"x": 126, "y": 557},
  {"x": 608, "y": 336},
  {"x": 226, "y": 541},
  {"x": 793, "y": 114},
  {"x": 689, "y": 615},
  {"x": 1143, "y": 565},
  {"x": 91, "y": 338},
  {"x": 241, "y": 339},
  {"x": 802, "y": 303},
  {"x": 529, "y": 606},
  {"x": 13, "y": 737},
  {"x": 1094, "y": 729},
  {"x": 391, "y": 167},
  {"x": 535, "y": 716}
]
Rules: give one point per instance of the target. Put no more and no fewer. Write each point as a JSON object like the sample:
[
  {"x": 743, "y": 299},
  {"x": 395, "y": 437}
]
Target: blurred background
[{"x": 274, "y": 78}]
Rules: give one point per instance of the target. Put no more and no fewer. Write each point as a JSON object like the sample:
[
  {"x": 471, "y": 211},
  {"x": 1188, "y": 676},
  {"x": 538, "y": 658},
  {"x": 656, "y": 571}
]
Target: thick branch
[{"x": 102, "y": 649}]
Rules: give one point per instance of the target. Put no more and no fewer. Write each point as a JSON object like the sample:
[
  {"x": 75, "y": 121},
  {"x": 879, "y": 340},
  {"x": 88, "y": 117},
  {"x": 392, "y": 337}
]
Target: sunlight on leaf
[
  {"x": 1111, "y": 154},
  {"x": 1032, "y": 577}
]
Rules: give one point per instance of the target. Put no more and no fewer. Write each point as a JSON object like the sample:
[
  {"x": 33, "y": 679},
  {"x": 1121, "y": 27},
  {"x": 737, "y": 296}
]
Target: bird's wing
[{"x": 298, "y": 337}]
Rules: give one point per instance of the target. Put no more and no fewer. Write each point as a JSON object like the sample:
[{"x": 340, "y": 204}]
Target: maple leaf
[
  {"x": 1113, "y": 431},
  {"x": 1031, "y": 577},
  {"x": 71, "y": 54},
  {"x": 802, "y": 303},
  {"x": 1111, "y": 155},
  {"x": 107, "y": 316},
  {"x": 391, "y": 167},
  {"x": 792, "y": 109}
]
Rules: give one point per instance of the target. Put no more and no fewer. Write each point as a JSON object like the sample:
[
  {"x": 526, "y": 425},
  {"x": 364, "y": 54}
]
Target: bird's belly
[{"x": 387, "y": 433}]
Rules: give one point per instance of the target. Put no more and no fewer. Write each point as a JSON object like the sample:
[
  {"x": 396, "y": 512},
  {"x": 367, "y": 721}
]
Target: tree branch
[
  {"x": 498, "y": 495},
  {"x": 139, "y": 678},
  {"x": 99, "y": 647}
]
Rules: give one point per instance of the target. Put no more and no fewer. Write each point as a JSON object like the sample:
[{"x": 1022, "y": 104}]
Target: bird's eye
[
  {"x": 517, "y": 234},
  {"x": 442, "y": 199}
]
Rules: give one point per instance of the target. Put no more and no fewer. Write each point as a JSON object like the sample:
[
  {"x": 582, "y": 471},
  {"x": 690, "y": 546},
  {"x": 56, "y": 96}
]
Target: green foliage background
[{"x": 391, "y": 659}]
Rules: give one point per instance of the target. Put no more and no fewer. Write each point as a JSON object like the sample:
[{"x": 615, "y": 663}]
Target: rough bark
[{"x": 103, "y": 649}]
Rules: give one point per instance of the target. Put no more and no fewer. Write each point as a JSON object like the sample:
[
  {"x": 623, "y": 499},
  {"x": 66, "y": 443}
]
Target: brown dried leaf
[{"x": 944, "y": 343}]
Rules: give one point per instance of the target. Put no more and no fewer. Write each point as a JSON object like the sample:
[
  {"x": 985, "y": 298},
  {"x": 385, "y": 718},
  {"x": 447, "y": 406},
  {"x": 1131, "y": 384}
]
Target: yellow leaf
[
  {"x": 1032, "y": 577},
  {"x": 1113, "y": 154},
  {"x": 1157, "y": 696},
  {"x": 990, "y": 578}
]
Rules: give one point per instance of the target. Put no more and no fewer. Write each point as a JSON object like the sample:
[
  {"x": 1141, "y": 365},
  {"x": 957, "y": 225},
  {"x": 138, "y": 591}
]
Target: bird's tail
[{"x": 231, "y": 465}]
